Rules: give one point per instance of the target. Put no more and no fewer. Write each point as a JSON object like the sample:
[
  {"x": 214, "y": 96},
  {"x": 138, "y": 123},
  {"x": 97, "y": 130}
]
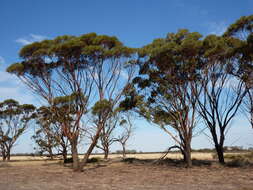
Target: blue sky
[{"x": 134, "y": 22}]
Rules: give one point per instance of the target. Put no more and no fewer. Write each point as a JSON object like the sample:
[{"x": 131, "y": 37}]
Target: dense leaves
[{"x": 180, "y": 78}]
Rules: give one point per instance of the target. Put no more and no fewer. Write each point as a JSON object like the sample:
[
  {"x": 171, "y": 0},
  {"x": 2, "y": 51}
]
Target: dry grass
[
  {"x": 27, "y": 174},
  {"x": 195, "y": 155}
]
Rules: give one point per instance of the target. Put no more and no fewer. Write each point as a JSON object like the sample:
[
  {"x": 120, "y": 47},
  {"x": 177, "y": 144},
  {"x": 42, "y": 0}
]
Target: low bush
[
  {"x": 68, "y": 160},
  {"x": 94, "y": 160},
  {"x": 130, "y": 160},
  {"x": 238, "y": 162},
  {"x": 91, "y": 160}
]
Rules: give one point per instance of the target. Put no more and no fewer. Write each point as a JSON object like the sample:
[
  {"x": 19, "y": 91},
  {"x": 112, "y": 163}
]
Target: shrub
[
  {"x": 238, "y": 162},
  {"x": 68, "y": 160},
  {"x": 93, "y": 160}
]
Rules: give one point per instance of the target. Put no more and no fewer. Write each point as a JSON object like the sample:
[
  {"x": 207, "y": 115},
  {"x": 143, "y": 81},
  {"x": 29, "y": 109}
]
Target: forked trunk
[
  {"x": 90, "y": 149},
  {"x": 220, "y": 153}
]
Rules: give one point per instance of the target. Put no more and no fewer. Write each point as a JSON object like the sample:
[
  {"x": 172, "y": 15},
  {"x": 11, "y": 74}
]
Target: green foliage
[
  {"x": 245, "y": 23},
  {"x": 69, "y": 99},
  {"x": 166, "y": 68},
  {"x": 242, "y": 29},
  {"x": 49, "y": 135},
  {"x": 41, "y": 57},
  {"x": 169, "y": 71},
  {"x": 14, "y": 119},
  {"x": 65, "y": 106},
  {"x": 102, "y": 107},
  {"x": 11, "y": 108},
  {"x": 16, "y": 68}
]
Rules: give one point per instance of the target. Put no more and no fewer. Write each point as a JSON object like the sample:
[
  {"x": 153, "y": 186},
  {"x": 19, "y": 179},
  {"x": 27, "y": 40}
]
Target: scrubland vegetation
[{"x": 94, "y": 87}]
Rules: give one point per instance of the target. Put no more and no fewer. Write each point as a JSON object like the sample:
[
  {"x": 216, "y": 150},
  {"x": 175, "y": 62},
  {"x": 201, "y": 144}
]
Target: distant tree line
[{"x": 94, "y": 87}]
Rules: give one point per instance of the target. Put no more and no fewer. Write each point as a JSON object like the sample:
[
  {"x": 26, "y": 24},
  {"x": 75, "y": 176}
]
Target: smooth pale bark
[
  {"x": 124, "y": 150},
  {"x": 91, "y": 147},
  {"x": 75, "y": 158}
]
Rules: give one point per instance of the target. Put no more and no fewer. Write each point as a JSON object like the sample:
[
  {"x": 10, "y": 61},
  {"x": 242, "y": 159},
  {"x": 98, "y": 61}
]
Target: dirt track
[{"x": 42, "y": 175}]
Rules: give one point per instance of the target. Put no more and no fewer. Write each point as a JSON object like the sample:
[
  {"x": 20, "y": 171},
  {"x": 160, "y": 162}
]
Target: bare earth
[{"x": 115, "y": 174}]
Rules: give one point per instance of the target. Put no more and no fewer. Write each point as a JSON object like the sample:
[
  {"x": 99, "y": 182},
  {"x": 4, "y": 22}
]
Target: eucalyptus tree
[
  {"x": 49, "y": 136},
  {"x": 168, "y": 86},
  {"x": 66, "y": 111},
  {"x": 45, "y": 141},
  {"x": 58, "y": 68},
  {"x": 112, "y": 72},
  {"x": 243, "y": 30},
  {"x": 127, "y": 130},
  {"x": 106, "y": 137},
  {"x": 89, "y": 65},
  {"x": 222, "y": 92},
  {"x": 14, "y": 121}
]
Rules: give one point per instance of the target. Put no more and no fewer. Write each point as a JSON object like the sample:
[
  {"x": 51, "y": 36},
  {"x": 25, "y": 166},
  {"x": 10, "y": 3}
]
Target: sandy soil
[
  {"x": 115, "y": 174},
  {"x": 195, "y": 155}
]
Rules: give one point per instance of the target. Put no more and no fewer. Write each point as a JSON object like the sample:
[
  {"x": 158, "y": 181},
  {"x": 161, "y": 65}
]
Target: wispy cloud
[
  {"x": 217, "y": 28},
  {"x": 12, "y": 87},
  {"x": 2, "y": 61},
  {"x": 30, "y": 39}
]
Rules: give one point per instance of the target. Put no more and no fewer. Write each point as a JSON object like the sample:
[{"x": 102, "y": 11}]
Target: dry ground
[
  {"x": 195, "y": 155},
  {"x": 115, "y": 174}
]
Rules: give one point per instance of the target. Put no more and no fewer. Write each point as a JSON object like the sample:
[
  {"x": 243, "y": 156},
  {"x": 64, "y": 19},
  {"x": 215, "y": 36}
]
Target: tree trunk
[
  {"x": 220, "y": 153},
  {"x": 92, "y": 146},
  {"x": 123, "y": 151},
  {"x": 8, "y": 155},
  {"x": 187, "y": 154},
  {"x": 64, "y": 153},
  {"x": 4, "y": 156},
  {"x": 75, "y": 156},
  {"x": 106, "y": 153},
  {"x": 218, "y": 145},
  {"x": 51, "y": 154},
  {"x": 251, "y": 119}
]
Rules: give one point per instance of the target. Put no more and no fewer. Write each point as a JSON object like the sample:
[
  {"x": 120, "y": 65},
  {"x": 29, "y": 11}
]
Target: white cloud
[
  {"x": 6, "y": 77},
  {"x": 2, "y": 61},
  {"x": 30, "y": 39},
  {"x": 12, "y": 87},
  {"x": 217, "y": 28}
]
